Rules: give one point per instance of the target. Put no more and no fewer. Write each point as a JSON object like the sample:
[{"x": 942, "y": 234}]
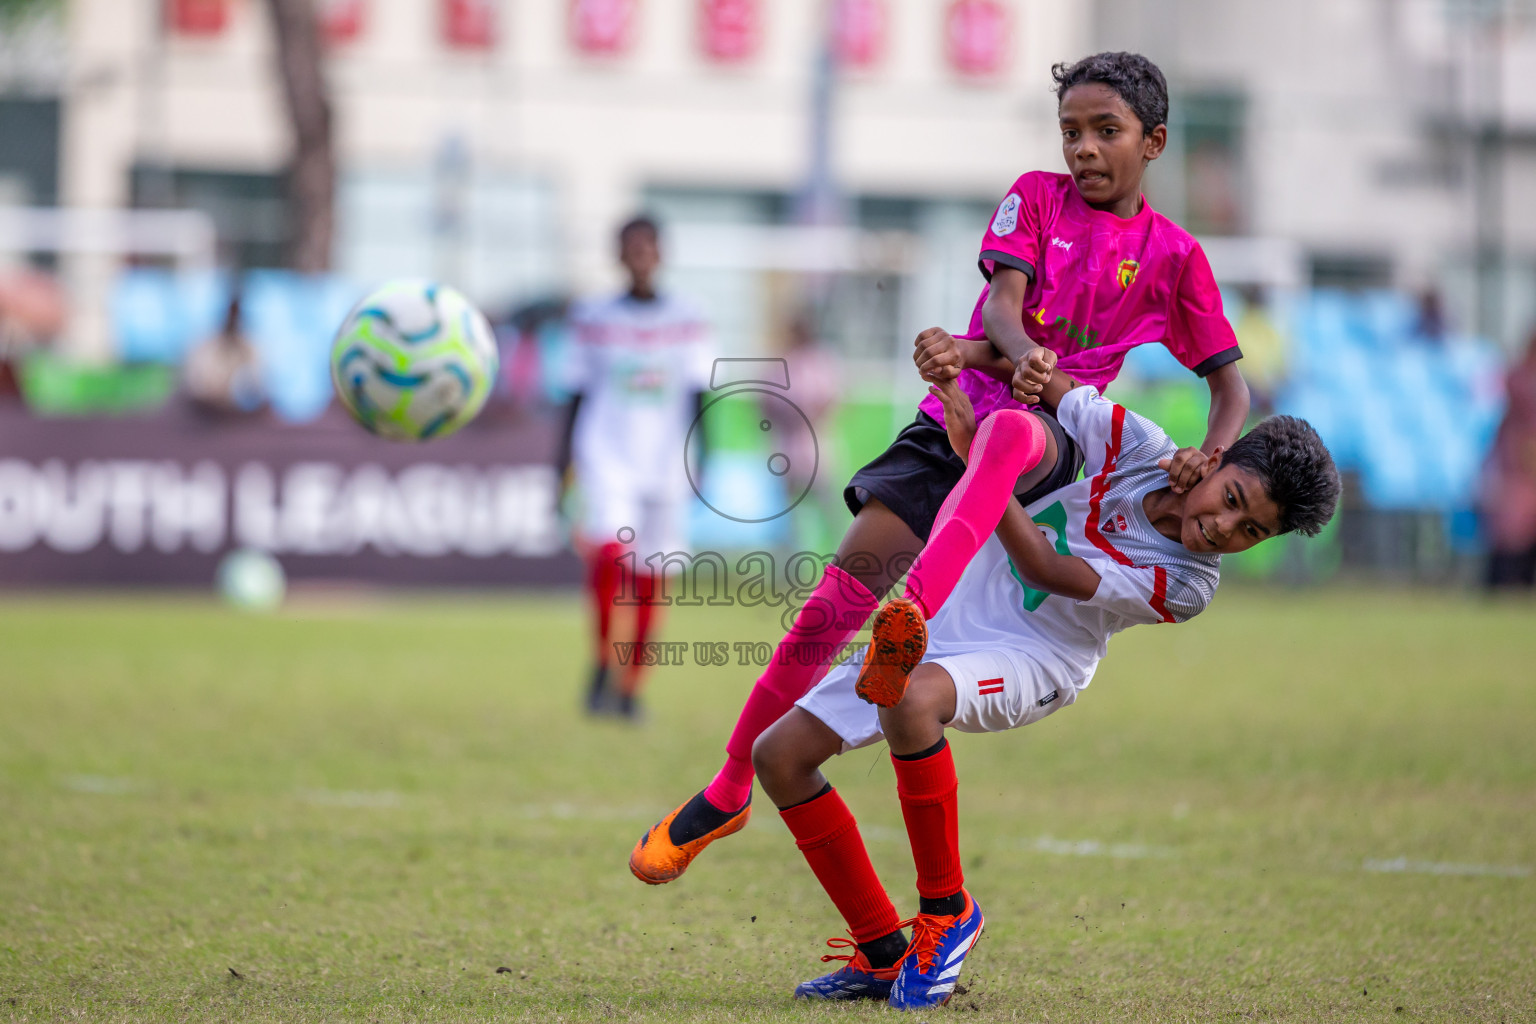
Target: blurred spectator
[
  {"x": 814, "y": 375},
  {"x": 522, "y": 337},
  {"x": 1263, "y": 350},
  {"x": 32, "y": 315},
  {"x": 1509, "y": 483},
  {"x": 1431, "y": 325},
  {"x": 222, "y": 374}
]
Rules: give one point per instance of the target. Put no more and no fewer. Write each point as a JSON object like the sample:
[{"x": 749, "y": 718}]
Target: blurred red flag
[
  {"x": 976, "y": 36},
  {"x": 469, "y": 24},
  {"x": 197, "y": 17},
  {"x": 729, "y": 30},
  {"x": 341, "y": 21},
  {"x": 858, "y": 32},
  {"x": 603, "y": 26}
]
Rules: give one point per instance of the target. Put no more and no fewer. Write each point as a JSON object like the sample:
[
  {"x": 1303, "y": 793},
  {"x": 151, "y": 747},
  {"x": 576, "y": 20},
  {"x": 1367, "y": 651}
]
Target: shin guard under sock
[
  {"x": 1008, "y": 443},
  {"x": 828, "y": 836},
  {"x": 603, "y": 585},
  {"x": 836, "y": 610},
  {"x": 928, "y": 789},
  {"x": 647, "y": 590}
]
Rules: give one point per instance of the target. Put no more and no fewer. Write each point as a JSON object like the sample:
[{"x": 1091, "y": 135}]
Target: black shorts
[{"x": 916, "y": 473}]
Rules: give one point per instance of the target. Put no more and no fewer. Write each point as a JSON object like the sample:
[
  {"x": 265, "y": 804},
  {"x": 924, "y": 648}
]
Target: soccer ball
[{"x": 414, "y": 361}]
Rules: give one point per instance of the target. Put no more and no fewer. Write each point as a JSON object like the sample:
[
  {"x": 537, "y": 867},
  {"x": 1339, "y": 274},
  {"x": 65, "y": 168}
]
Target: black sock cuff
[
  {"x": 823, "y": 791},
  {"x": 943, "y": 742},
  {"x": 946, "y": 906},
  {"x": 885, "y": 951}
]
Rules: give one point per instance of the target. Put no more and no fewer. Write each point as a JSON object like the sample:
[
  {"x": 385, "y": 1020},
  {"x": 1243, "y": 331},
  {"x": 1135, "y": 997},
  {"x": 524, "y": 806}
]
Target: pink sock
[
  {"x": 1008, "y": 443},
  {"x": 835, "y": 611}
]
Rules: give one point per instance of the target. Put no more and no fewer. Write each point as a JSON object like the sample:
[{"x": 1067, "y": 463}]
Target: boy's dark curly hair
[
  {"x": 1138, "y": 81},
  {"x": 640, "y": 222},
  {"x": 1292, "y": 462}
]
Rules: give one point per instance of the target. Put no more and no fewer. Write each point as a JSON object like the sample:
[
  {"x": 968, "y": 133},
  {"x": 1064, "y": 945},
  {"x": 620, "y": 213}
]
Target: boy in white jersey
[
  {"x": 638, "y": 367},
  {"x": 1022, "y": 628}
]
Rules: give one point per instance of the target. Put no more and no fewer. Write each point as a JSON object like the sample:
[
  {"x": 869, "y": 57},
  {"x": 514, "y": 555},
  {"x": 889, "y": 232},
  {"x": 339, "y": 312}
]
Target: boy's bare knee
[
  {"x": 765, "y": 754},
  {"x": 917, "y": 708},
  {"x": 918, "y": 721}
]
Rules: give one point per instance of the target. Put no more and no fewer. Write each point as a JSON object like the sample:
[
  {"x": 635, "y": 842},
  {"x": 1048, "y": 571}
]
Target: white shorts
[
  {"x": 650, "y": 524},
  {"x": 995, "y": 690}
]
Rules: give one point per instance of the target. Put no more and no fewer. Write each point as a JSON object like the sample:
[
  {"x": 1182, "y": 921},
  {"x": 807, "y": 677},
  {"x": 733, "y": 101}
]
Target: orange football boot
[
  {"x": 657, "y": 860},
  {"x": 900, "y": 636}
]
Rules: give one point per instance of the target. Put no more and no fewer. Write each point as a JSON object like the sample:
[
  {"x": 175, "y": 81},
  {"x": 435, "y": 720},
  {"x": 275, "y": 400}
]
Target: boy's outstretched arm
[
  {"x": 1229, "y": 408},
  {"x": 1039, "y": 562},
  {"x": 1002, "y": 314},
  {"x": 1229, "y": 411},
  {"x": 1005, "y": 348}
]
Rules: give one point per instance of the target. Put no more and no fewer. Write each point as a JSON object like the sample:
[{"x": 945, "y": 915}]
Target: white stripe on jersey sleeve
[
  {"x": 1125, "y": 590},
  {"x": 1088, "y": 419}
]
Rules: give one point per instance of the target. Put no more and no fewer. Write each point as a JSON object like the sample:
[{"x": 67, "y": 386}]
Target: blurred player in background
[
  {"x": 817, "y": 378},
  {"x": 1509, "y": 482},
  {"x": 1079, "y": 270},
  {"x": 638, "y": 369}
]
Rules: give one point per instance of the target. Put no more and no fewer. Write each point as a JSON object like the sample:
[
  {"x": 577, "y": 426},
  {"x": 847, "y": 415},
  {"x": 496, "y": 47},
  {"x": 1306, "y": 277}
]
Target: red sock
[
  {"x": 646, "y": 589},
  {"x": 603, "y": 585},
  {"x": 930, "y": 807},
  {"x": 826, "y": 833}
]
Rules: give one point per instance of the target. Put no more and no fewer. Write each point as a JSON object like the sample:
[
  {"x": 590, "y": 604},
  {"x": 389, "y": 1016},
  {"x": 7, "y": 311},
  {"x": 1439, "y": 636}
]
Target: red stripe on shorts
[{"x": 986, "y": 686}]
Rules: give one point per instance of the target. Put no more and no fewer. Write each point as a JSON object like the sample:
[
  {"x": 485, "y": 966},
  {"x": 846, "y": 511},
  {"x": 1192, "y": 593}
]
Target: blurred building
[
  {"x": 1393, "y": 140},
  {"x": 498, "y": 143},
  {"x": 1357, "y": 143}
]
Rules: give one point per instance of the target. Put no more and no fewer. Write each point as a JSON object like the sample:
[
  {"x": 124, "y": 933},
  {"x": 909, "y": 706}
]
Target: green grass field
[{"x": 1300, "y": 807}]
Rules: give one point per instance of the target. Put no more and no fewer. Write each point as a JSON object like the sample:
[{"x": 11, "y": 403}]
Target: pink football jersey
[{"x": 1099, "y": 286}]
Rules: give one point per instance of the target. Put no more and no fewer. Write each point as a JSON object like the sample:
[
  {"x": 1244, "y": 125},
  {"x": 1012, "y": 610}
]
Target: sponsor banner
[
  {"x": 976, "y": 36},
  {"x": 729, "y": 30},
  {"x": 197, "y": 17},
  {"x": 341, "y": 21},
  {"x": 602, "y": 26},
  {"x": 161, "y": 499},
  {"x": 469, "y": 24},
  {"x": 858, "y": 32}
]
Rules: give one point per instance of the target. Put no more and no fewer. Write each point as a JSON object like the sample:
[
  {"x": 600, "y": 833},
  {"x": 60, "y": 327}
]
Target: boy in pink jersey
[{"x": 1079, "y": 270}]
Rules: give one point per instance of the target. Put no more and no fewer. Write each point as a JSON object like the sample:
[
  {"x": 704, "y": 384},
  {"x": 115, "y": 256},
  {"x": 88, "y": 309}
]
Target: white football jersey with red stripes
[
  {"x": 639, "y": 365},
  {"x": 1144, "y": 576}
]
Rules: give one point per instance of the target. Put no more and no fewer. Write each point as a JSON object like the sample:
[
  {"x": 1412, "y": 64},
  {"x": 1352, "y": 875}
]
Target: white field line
[
  {"x": 1047, "y": 844},
  {"x": 1094, "y": 848},
  {"x": 100, "y": 784},
  {"x": 349, "y": 798},
  {"x": 575, "y": 812},
  {"x": 1402, "y": 865},
  {"x": 385, "y": 799}
]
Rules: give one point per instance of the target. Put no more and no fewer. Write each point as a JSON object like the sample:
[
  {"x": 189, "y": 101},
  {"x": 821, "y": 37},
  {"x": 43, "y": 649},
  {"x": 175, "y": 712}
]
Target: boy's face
[
  {"x": 1104, "y": 144},
  {"x": 640, "y": 254},
  {"x": 1228, "y": 511}
]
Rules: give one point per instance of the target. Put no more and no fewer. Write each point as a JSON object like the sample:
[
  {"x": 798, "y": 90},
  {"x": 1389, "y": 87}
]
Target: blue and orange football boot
[
  {"x": 933, "y": 961},
  {"x": 856, "y": 979},
  {"x": 666, "y": 849},
  {"x": 898, "y": 640}
]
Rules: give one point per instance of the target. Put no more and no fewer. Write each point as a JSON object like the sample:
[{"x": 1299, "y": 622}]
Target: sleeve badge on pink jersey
[
  {"x": 1007, "y": 218},
  {"x": 1127, "y": 273}
]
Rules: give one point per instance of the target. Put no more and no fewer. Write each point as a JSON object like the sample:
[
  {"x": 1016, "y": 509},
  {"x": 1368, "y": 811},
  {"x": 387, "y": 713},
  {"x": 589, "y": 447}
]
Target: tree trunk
[{"x": 312, "y": 174}]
